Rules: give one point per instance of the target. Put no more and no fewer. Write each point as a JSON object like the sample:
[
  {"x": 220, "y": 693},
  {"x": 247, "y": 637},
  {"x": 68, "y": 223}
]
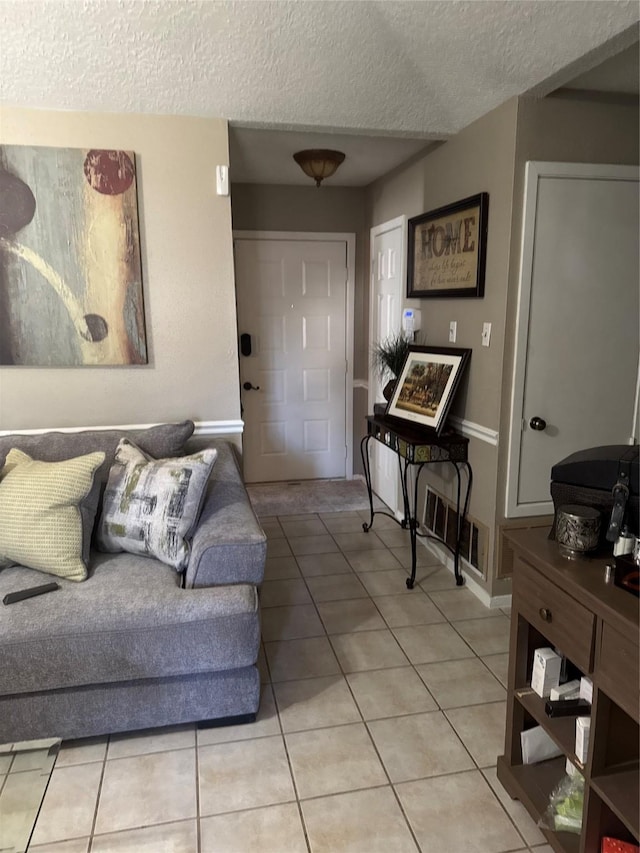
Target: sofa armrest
[{"x": 229, "y": 546}]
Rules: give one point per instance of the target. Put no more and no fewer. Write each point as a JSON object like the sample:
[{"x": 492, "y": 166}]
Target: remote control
[
  {"x": 567, "y": 708},
  {"x": 21, "y": 594}
]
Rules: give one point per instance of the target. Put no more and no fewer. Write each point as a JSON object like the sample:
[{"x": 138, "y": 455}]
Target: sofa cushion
[
  {"x": 41, "y": 520},
  {"x": 161, "y": 440},
  {"x": 130, "y": 620},
  {"x": 151, "y": 506}
]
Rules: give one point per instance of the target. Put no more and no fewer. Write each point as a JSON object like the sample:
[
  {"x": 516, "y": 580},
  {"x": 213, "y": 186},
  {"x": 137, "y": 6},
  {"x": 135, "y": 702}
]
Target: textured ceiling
[{"x": 405, "y": 69}]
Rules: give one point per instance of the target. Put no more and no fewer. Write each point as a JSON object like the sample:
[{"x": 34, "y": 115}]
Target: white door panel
[
  {"x": 292, "y": 301},
  {"x": 577, "y": 353}
]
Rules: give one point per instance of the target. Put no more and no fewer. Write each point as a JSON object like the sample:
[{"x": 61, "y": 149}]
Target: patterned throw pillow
[
  {"x": 41, "y": 513},
  {"x": 151, "y": 506}
]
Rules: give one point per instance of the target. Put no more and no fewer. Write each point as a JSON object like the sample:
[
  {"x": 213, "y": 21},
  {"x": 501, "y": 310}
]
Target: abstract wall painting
[{"x": 70, "y": 270}]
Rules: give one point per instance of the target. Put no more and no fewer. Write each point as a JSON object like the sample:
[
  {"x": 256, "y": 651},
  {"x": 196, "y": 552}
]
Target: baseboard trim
[
  {"x": 493, "y": 602},
  {"x": 218, "y": 427},
  {"x": 201, "y": 428},
  {"x": 473, "y": 430}
]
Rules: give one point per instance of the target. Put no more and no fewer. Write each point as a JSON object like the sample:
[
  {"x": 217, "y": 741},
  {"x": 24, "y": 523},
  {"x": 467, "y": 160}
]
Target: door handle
[
  {"x": 538, "y": 424},
  {"x": 249, "y": 387}
]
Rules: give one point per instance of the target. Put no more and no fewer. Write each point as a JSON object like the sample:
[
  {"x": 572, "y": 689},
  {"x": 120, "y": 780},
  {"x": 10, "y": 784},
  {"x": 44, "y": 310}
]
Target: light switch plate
[
  {"x": 453, "y": 331},
  {"x": 486, "y": 334}
]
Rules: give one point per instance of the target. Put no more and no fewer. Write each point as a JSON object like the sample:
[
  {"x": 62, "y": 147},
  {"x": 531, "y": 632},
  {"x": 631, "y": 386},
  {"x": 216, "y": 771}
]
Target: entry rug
[
  {"x": 25, "y": 770},
  {"x": 308, "y": 496}
]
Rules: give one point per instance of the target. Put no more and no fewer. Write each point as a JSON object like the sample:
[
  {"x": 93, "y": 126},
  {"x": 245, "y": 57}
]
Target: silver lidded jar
[{"x": 577, "y": 530}]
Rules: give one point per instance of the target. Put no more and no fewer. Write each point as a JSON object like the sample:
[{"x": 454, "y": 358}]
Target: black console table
[{"x": 417, "y": 446}]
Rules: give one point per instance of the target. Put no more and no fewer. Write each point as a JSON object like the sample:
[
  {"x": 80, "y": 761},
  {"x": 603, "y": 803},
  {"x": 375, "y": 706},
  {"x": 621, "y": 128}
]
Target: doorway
[
  {"x": 295, "y": 295},
  {"x": 387, "y": 279}
]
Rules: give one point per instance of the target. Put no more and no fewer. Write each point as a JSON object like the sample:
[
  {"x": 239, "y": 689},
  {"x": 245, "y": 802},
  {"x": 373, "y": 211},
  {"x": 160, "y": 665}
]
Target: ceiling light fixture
[{"x": 318, "y": 163}]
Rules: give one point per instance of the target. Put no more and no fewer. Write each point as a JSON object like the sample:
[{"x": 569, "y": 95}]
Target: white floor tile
[
  {"x": 243, "y": 775},
  {"x": 179, "y": 837},
  {"x": 290, "y": 623},
  {"x": 367, "y": 650},
  {"x": 147, "y": 789},
  {"x": 315, "y": 703},
  {"x": 481, "y": 728},
  {"x": 265, "y": 725},
  {"x": 390, "y": 693},
  {"x": 328, "y": 761},
  {"x": 273, "y": 829},
  {"x": 458, "y": 812},
  {"x": 151, "y": 740},
  {"x": 75, "y": 845},
  {"x": 419, "y": 745},
  {"x": 69, "y": 805},
  {"x": 357, "y": 822}
]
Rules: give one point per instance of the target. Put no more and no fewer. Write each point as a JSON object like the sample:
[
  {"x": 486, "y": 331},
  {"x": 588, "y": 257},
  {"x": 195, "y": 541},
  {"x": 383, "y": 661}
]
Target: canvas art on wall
[{"x": 70, "y": 271}]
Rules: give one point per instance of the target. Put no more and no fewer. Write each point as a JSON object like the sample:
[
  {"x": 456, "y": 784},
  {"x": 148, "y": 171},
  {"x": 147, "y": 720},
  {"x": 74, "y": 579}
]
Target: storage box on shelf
[{"x": 569, "y": 606}]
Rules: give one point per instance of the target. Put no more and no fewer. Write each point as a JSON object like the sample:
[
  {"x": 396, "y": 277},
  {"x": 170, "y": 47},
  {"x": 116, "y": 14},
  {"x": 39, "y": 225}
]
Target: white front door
[
  {"x": 387, "y": 288},
  {"x": 577, "y": 346},
  {"x": 292, "y": 301}
]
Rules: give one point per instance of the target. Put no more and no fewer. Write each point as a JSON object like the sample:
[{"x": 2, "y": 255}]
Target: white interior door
[
  {"x": 577, "y": 348},
  {"x": 292, "y": 301},
  {"x": 387, "y": 290}
]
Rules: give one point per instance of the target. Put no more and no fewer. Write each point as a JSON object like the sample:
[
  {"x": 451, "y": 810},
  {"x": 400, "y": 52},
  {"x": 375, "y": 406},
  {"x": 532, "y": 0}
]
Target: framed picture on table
[{"x": 427, "y": 385}]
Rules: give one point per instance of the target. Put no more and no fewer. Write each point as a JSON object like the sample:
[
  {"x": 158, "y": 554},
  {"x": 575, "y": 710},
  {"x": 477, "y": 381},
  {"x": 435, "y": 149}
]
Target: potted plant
[{"x": 387, "y": 358}]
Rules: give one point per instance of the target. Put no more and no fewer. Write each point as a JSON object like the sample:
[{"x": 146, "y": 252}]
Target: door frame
[
  {"x": 332, "y": 237},
  {"x": 534, "y": 171}
]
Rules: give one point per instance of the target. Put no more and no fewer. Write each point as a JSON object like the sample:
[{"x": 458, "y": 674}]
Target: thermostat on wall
[{"x": 411, "y": 320}]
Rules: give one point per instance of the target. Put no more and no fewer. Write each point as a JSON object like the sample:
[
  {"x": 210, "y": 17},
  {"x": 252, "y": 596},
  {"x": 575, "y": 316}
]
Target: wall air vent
[{"x": 441, "y": 519}]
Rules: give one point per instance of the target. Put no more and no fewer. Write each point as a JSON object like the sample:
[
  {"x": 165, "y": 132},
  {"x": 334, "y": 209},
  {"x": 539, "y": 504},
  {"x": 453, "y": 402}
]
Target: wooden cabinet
[{"x": 568, "y": 605}]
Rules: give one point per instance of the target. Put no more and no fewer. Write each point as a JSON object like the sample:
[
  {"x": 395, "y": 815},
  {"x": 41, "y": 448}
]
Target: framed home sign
[
  {"x": 447, "y": 250},
  {"x": 427, "y": 384}
]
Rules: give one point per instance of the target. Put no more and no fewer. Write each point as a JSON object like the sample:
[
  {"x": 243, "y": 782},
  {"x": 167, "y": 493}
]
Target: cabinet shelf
[
  {"x": 532, "y": 784},
  {"x": 562, "y": 730},
  {"x": 620, "y": 790}
]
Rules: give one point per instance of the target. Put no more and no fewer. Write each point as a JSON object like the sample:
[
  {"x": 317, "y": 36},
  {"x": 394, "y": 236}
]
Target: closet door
[{"x": 576, "y": 363}]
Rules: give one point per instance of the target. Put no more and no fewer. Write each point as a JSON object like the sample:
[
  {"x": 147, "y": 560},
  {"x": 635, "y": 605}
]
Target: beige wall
[
  {"x": 187, "y": 273},
  {"x": 478, "y": 159},
  {"x": 259, "y": 207},
  {"x": 490, "y": 155}
]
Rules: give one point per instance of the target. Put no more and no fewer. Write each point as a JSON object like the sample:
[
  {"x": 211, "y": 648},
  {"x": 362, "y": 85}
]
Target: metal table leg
[
  {"x": 461, "y": 516},
  {"x": 366, "y": 464}
]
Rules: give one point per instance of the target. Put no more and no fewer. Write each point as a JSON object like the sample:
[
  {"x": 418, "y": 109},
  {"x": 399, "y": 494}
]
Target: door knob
[
  {"x": 538, "y": 424},
  {"x": 249, "y": 387}
]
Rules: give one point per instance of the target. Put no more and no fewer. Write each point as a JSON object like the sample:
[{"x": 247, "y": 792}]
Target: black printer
[{"x": 605, "y": 478}]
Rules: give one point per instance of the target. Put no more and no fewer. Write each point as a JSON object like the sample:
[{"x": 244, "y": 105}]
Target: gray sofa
[{"x": 137, "y": 645}]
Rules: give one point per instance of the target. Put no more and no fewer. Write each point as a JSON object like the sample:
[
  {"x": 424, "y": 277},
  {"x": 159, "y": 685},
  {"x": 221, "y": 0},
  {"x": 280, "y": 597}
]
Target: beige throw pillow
[
  {"x": 40, "y": 515},
  {"x": 151, "y": 506}
]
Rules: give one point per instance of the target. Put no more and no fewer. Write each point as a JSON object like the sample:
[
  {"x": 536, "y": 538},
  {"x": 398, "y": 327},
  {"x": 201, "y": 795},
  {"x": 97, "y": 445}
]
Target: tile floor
[{"x": 381, "y": 718}]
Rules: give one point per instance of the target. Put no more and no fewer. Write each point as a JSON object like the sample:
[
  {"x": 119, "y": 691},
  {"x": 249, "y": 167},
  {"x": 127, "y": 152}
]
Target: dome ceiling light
[{"x": 318, "y": 163}]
